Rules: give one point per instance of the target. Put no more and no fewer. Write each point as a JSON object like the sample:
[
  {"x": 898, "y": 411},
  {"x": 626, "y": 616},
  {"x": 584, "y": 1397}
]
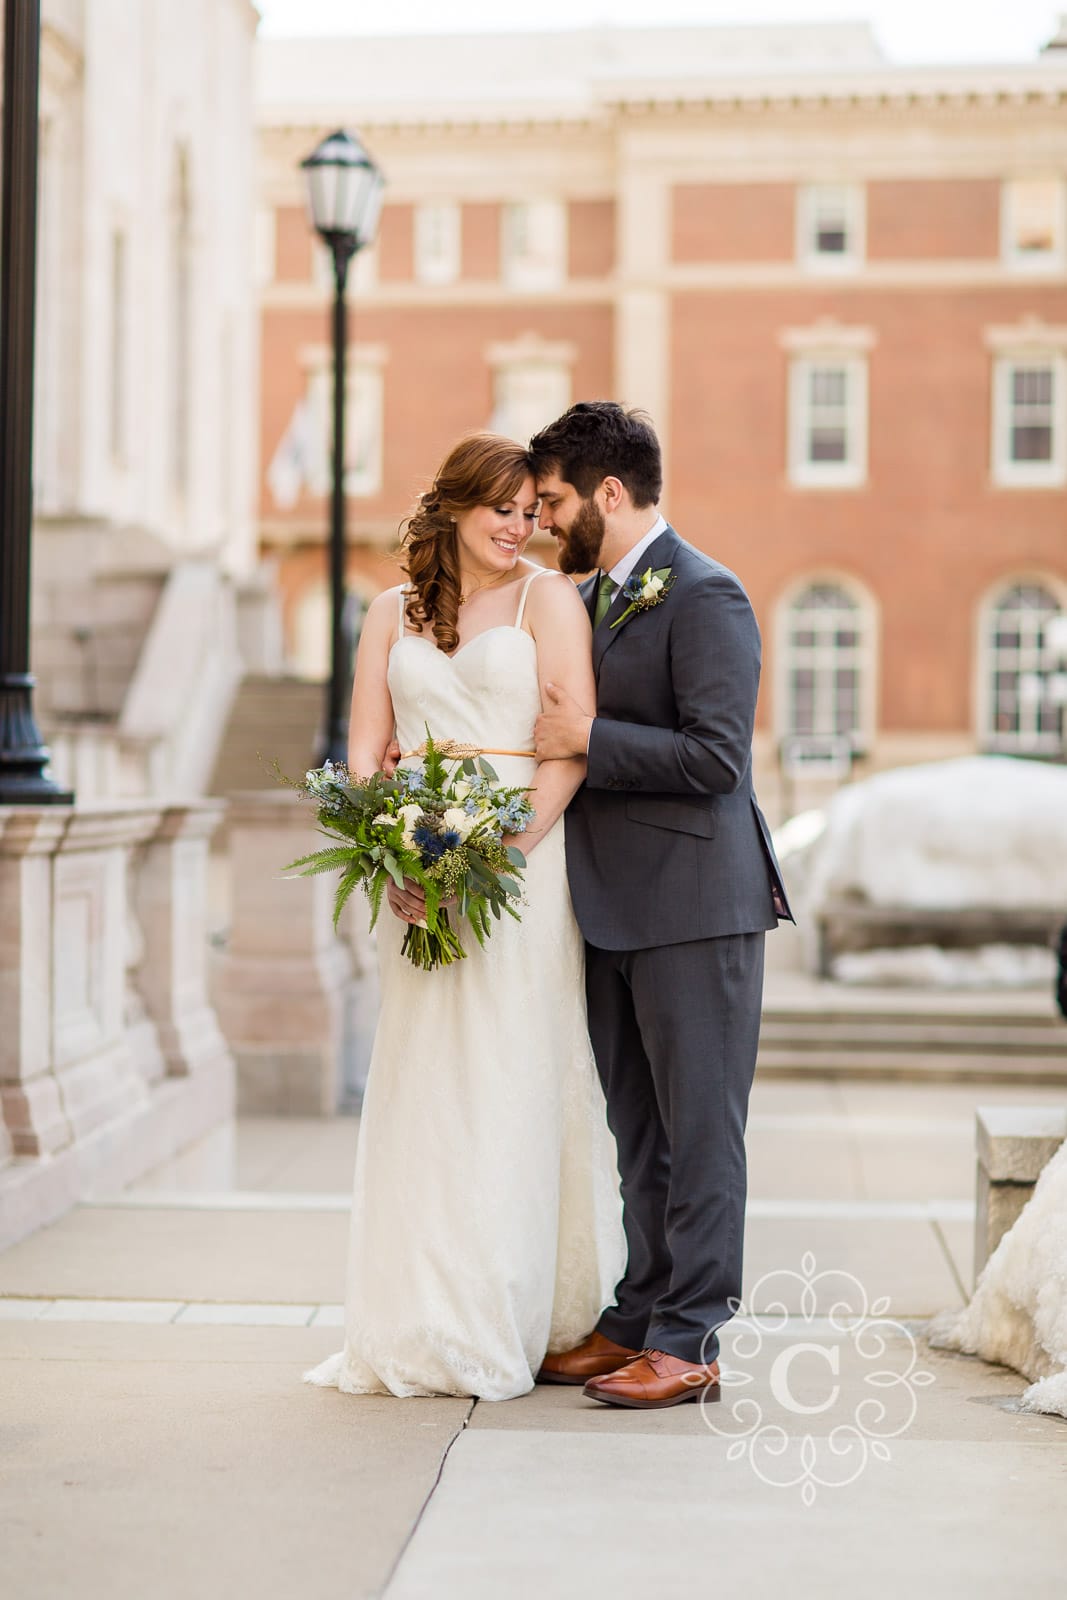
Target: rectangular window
[
  {"x": 363, "y": 431},
  {"x": 534, "y": 244},
  {"x": 1033, "y": 223},
  {"x": 830, "y": 225},
  {"x": 527, "y": 395},
  {"x": 117, "y": 416},
  {"x": 437, "y": 243},
  {"x": 1029, "y": 435},
  {"x": 828, "y": 421}
]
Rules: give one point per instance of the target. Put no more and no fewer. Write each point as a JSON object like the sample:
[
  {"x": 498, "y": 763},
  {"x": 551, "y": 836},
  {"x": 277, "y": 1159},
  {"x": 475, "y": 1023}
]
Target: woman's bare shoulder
[{"x": 554, "y": 596}]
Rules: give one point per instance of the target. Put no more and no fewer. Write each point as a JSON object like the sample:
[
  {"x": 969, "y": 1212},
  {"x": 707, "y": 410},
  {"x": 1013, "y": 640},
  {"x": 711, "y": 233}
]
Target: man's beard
[{"x": 579, "y": 547}]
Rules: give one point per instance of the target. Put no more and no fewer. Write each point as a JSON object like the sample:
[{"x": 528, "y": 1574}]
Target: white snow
[
  {"x": 983, "y": 831},
  {"x": 926, "y": 966}
]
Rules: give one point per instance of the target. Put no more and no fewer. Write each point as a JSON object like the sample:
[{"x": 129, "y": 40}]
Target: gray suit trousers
[{"x": 675, "y": 1029}]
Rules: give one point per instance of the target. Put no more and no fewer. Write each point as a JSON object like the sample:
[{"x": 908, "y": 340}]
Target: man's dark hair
[{"x": 597, "y": 439}]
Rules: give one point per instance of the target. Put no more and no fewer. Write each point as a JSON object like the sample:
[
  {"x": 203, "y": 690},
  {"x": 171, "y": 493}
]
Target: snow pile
[
  {"x": 926, "y": 966},
  {"x": 983, "y": 831}
]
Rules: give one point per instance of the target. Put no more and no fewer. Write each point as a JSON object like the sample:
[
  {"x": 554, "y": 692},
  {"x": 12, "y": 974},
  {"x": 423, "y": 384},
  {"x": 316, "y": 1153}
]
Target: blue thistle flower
[{"x": 431, "y": 846}]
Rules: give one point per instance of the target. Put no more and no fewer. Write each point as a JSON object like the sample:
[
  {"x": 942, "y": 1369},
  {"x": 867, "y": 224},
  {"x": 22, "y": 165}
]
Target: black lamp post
[
  {"x": 344, "y": 190},
  {"x": 23, "y": 757}
]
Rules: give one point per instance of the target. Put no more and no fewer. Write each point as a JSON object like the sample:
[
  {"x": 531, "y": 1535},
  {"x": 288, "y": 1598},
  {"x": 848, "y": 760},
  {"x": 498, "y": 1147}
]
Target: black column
[
  {"x": 23, "y": 757},
  {"x": 337, "y": 688}
]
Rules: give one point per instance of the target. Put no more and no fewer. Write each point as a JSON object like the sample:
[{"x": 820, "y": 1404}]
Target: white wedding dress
[
  {"x": 486, "y": 1218},
  {"x": 1018, "y": 1315}
]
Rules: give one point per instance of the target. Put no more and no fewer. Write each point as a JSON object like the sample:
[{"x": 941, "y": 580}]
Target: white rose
[
  {"x": 652, "y": 588},
  {"x": 458, "y": 820},
  {"x": 411, "y": 815},
  {"x": 461, "y": 789}
]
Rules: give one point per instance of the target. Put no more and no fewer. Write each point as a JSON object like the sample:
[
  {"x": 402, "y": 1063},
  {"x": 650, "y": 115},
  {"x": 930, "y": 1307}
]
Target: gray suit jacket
[{"x": 665, "y": 841}]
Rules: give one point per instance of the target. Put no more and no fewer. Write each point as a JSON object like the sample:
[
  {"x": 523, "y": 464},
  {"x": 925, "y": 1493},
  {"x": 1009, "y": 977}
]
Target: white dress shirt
[{"x": 622, "y": 569}]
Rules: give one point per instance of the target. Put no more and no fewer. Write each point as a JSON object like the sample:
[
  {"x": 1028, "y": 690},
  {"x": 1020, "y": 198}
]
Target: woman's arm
[
  {"x": 560, "y": 626},
  {"x": 370, "y": 725}
]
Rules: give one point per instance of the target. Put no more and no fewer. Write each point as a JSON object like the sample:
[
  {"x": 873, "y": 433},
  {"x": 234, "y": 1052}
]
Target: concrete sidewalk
[{"x": 159, "y": 1441}]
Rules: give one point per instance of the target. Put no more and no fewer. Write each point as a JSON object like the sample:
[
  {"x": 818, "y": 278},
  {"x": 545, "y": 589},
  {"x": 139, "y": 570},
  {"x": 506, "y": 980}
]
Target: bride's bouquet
[{"x": 440, "y": 823}]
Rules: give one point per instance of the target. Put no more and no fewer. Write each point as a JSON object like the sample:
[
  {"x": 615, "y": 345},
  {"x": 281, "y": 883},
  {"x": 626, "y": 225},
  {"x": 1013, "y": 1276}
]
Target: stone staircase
[
  {"x": 813, "y": 1028},
  {"x": 273, "y": 719}
]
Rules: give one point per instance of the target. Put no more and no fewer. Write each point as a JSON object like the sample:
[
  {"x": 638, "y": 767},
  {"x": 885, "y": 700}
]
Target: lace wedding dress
[
  {"x": 1018, "y": 1315},
  {"x": 486, "y": 1219}
]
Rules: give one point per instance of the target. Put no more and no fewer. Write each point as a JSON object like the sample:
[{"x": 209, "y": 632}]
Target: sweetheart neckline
[{"x": 499, "y": 627}]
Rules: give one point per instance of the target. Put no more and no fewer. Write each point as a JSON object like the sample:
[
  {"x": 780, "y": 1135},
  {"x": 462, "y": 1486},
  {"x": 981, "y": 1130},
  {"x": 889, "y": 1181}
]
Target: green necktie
[{"x": 605, "y": 595}]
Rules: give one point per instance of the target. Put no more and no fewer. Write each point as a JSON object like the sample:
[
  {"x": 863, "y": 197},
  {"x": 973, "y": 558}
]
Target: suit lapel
[
  {"x": 659, "y": 554},
  {"x": 588, "y": 591}
]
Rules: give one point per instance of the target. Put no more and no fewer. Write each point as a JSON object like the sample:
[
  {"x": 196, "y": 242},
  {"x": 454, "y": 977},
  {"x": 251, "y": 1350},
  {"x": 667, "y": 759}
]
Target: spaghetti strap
[
  {"x": 400, "y": 620},
  {"x": 524, "y": 591}
]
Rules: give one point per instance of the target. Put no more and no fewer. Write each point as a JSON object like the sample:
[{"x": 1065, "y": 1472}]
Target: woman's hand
[{"x": 409, "y": 903}]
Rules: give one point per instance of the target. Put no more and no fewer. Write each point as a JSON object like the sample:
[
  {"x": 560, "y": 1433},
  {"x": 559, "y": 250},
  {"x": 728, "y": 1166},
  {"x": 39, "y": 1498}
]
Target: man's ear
[{"x": 613, "y": 492}]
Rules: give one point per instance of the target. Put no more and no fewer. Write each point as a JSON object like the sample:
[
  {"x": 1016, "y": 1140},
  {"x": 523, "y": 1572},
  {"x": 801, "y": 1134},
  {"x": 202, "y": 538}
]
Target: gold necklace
[{"x": 479, "y": 587}]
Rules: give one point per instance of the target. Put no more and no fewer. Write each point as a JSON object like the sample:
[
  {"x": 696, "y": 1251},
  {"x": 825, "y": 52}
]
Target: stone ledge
[{"x": 1016, "y": 1142}]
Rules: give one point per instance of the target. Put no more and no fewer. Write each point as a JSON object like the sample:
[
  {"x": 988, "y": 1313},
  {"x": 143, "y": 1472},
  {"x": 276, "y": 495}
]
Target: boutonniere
[{"x": 644, "y": 592}]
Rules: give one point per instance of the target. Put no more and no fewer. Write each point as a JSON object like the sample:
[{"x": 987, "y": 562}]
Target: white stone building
[
  {"x": 145, "y": 592},
  {"x": 147, "y": 387}
]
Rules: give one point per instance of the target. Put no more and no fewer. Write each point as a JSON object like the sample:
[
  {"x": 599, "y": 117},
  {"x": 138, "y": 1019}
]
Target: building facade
[
  {"x": 838, "y": 286},
  {"x": 145, "y": 427}
]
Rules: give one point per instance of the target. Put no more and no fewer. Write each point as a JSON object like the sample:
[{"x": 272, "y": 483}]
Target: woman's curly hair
[{"x": 483, "y": 469}]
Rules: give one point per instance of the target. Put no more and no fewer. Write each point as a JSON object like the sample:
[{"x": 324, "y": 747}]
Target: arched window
[
  {"x": 825, "y": 641},
  {"x": 1025, "y": 668}
]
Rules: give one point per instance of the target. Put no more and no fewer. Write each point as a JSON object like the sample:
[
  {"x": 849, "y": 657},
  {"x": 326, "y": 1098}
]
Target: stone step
[
  {"x": 942, "y": 1065},
  {"x": 273, "y": 720},
  {"x": 920, "y": 1035}
]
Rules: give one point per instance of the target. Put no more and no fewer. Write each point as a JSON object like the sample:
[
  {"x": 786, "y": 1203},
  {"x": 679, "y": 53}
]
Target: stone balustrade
[
  {"x": 1014, "y": 1144},
  {"x": 111, "y": 1057}
]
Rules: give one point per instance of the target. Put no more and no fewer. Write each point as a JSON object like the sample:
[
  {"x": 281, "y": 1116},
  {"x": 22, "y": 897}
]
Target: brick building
[{"x": 838, "y": 285}]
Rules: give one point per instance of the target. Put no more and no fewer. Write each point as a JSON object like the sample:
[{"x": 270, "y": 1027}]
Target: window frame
[
  {"x": 989, "y": 738},
  {"x": 449, "y": 262},
  {"x": 831, "y": 263},
  {"x": 804, "y": 473},
  {"x": 866, "y": 654},
  {"x": 1024, "y": 261},
  {"x": 1006, "y": 472},
  {"x": 525, "y": 273}
]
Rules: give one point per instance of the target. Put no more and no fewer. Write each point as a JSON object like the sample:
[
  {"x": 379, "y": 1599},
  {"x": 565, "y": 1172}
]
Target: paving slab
[
  {"x": 938, "y": 1164},
  {"x": 898, "y": 1258},
  {"x": 569, "y": 1515},
  {"x": 557, "y": 1495},
  {"x": 145, "y": 1253},
  {"x": 171, "y": 1461},
  {"x": 820, "y": 1164}
]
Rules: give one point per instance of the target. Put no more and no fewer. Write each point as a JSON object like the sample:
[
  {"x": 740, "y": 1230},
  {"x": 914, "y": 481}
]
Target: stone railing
[
  {"x": 1014, "y": 1145},
  {"x": 111, "y": 1057}
]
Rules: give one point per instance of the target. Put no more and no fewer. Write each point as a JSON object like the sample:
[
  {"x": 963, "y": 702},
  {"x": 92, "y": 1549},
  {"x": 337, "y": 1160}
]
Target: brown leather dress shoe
[
  {"x": 654, "y": 1380},
  {"x": 594, "y": 1357}
]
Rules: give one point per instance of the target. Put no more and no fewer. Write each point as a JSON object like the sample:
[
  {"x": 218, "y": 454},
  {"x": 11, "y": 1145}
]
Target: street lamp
[
  {"x": 344, "y": 192},
  {"x": 23, "y": 757}
]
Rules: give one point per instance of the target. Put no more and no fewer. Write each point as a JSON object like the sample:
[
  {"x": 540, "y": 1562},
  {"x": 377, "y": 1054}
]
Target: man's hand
[
  {"x": 562, "y": 729},
  {"x": 391, "y": 759},
  {"x": 408, "y": 903}
]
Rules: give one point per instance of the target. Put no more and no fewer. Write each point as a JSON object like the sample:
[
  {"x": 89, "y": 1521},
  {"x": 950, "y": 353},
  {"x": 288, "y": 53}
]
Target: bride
[{"x": 486, "y": 1222}]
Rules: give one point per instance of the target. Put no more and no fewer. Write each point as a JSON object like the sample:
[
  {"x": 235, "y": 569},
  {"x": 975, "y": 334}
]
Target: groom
[{"x": 674, "y": 884}]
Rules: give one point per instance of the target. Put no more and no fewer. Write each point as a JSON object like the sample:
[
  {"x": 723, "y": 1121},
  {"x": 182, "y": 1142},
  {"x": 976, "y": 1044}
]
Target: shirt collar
[{"x": 622, "y": 569}]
